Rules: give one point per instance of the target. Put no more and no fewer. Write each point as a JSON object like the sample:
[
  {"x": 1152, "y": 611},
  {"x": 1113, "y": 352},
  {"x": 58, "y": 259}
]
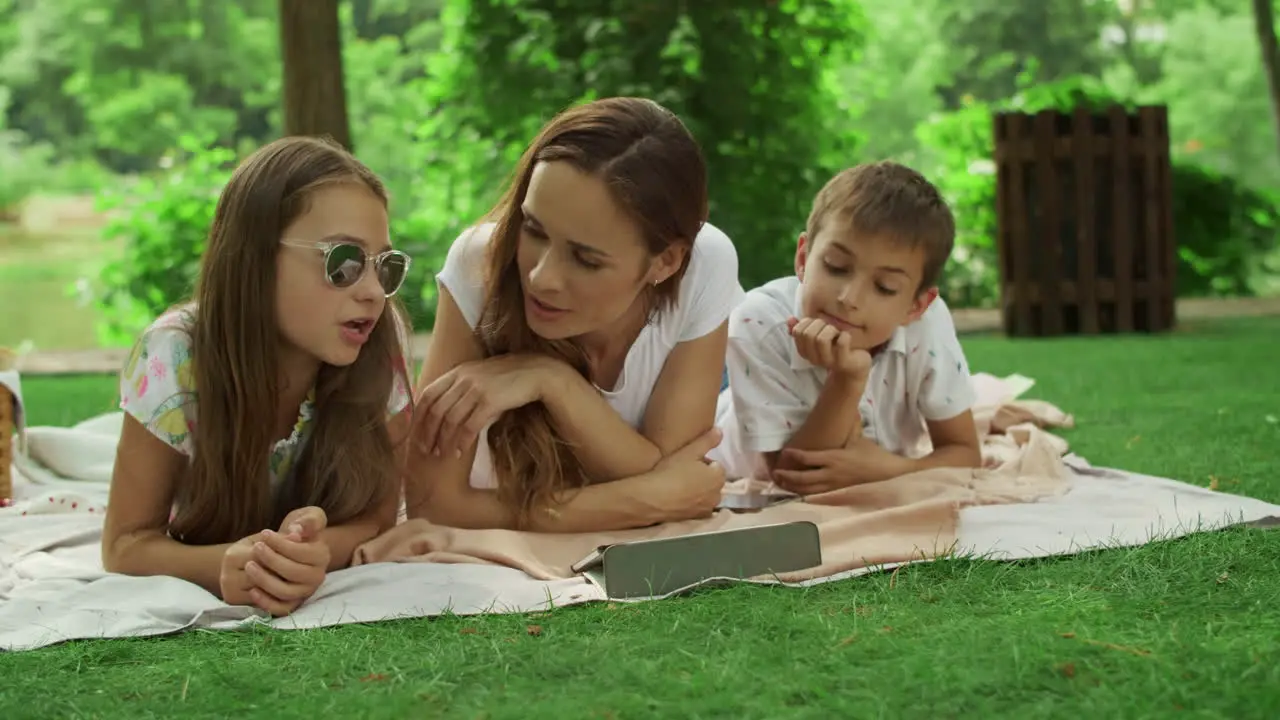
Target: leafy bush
[
  {"x": 1224, "y": 230},
  {"x": 164, "y": 222}
]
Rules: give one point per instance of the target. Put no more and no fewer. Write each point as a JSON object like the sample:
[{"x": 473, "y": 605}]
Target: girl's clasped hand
[{"x": 278, "y": 571}]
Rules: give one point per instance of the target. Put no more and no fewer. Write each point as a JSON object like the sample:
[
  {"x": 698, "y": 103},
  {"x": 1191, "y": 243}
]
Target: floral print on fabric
[{"x": 157, "y": 387}]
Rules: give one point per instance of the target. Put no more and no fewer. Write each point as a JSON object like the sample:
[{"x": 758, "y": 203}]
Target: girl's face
[
  {"x": 320, "y": 321},
  {"x": 583, "y": 262}
]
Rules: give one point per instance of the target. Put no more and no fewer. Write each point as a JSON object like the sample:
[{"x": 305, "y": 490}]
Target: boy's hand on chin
[{"x": 826, "y": 346}]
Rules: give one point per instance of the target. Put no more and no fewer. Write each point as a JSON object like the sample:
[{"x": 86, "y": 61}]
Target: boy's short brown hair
[{"x": 890, "y": 200}]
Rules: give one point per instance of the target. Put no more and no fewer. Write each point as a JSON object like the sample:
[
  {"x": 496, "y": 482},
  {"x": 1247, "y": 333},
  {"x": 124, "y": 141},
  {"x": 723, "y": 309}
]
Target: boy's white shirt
[{"x": 921, "y": 375}]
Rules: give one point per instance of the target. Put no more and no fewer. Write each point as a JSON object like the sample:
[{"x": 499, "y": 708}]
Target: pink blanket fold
[{"x": 912, "y": 517}]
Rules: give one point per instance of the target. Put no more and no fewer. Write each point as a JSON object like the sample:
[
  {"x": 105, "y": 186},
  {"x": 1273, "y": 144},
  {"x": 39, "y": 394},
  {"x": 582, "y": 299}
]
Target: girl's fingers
[
  {"x": 287, "y": 569},
  {"x": 273, "y": 584},
  {"x": 273, "y": 605},
  {"x": 311, "y": 554}
]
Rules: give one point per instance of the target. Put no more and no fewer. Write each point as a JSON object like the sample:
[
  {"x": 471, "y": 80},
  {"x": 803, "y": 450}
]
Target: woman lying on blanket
[
  {"x": 579, "y": 340},
  {"x": 257, "y": 451}
]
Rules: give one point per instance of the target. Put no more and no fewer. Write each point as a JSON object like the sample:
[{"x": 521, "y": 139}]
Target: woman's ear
[{"x": 667, "y": 263}]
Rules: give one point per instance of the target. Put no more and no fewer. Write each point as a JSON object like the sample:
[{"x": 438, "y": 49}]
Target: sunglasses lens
[
  {"x": 345, "y": 265},
  {"x": 392, "y": 269}
]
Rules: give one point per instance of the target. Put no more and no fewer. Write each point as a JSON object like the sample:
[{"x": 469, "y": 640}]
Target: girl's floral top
[{"x": 157, "y": 387}]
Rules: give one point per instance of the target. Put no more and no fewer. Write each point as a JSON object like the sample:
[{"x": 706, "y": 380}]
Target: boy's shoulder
[{"x": 765, "y": 309}]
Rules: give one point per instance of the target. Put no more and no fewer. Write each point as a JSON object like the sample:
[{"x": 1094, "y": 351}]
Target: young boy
[{"x": 850, "y": 371}]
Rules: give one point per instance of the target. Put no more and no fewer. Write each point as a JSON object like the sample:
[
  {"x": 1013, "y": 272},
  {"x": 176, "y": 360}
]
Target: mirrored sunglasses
[{"x": 345, "y": 263}]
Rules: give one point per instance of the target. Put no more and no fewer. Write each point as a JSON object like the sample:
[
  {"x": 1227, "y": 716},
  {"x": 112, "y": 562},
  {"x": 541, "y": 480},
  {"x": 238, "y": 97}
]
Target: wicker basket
[{"x": 7, "y": 421}]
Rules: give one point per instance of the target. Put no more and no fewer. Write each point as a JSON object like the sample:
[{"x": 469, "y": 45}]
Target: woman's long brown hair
[
  {"x": 348, "y": 465},
  {"x": 655, "y": 171}
]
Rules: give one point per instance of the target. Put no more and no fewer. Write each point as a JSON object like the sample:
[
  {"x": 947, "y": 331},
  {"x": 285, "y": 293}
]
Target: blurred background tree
[{"x": 120, "y": 119}]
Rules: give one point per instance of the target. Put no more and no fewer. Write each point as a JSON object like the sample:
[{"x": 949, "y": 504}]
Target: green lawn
[
  {"x": 1186, "y": 627},
  {"x": 42, "y": 270}
]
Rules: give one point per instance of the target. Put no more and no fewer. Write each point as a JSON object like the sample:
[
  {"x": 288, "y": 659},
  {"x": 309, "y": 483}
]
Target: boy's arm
[
  {"x": 945, "y": 397},
  {"x": 829, "y": 424},
  {"x": 955, "y": 444},
  {"x": 769, "y": 405}
]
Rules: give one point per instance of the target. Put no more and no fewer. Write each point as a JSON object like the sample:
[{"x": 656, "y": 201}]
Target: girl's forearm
[{"x": 153, "y": 552}]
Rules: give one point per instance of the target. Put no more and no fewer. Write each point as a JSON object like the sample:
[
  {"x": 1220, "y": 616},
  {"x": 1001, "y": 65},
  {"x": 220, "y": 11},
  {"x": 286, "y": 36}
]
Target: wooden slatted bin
[{"x": 1084, "y": 219}]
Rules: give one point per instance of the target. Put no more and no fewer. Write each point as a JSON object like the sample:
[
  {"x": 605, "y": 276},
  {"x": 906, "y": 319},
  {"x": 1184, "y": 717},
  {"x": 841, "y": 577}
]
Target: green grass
[{"x": 1186, "y": 627}]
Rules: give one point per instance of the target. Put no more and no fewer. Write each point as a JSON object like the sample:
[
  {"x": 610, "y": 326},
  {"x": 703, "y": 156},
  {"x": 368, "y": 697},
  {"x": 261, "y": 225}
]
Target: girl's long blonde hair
[
  {"x": 348, "y": 465},
  {"x": 655, "y": 171}
]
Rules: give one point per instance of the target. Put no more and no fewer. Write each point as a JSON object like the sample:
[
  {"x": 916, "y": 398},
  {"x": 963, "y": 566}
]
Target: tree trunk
[
  {"x": 1264, "y": 21},
  {"x": 315, "y": 98}
]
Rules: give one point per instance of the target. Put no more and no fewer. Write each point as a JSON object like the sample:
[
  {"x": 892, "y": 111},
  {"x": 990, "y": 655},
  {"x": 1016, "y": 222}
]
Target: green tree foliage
[
  {"x": 444, "y": 94},
  {"x": 752, "y": 81}
]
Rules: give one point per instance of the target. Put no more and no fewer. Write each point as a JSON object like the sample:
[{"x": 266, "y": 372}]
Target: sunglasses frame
[{"x": 328, "y": 246}]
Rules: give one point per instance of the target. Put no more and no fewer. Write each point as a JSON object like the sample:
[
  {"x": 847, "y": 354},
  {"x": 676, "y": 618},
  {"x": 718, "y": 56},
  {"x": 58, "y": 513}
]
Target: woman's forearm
[
  {"x": 153, "y": 552},
  {"x": 607, "y": 447},
  {"x": 618, "y": 505}
]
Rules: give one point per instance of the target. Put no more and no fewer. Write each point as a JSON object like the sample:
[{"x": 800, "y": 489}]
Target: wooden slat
[
  {"x": 1086, "y": 219},
  {"x": 1122, "y": 209},
  {"x": 1070, "y": 291},
  {"x": 1032, "y": 273},
  {"x": 1050, "y": 242},
  {"x": 1005, "y": 247},
  {"x": 1168, "y": 233},
  {"x": 1019, "y": 238}
]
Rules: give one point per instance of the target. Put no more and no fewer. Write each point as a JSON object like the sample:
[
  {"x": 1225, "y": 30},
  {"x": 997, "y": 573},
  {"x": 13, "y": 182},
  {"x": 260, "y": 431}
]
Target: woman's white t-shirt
[{"x": 708, "y": 292}]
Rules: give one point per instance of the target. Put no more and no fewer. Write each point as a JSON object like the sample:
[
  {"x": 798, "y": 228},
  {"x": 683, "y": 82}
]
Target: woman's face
[{"x": 583, "y": 262}]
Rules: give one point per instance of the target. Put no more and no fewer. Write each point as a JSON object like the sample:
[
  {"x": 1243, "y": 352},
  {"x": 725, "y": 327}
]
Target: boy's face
[{"x": 865, "y": 286}]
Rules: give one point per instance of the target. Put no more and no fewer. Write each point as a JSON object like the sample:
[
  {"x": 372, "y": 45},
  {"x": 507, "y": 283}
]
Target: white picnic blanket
[{"x": 53, "y": 588}]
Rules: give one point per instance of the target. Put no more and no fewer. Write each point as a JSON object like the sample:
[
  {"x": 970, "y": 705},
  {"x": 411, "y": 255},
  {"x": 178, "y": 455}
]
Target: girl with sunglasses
[
  {"x": 263, "y": 418},
  {"x": 572, "y": 377}
]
